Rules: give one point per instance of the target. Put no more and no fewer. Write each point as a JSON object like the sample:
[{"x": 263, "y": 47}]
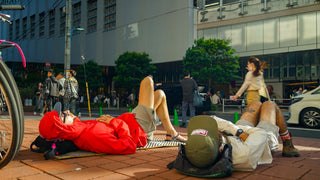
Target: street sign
[{"x": 48, "y": 64}]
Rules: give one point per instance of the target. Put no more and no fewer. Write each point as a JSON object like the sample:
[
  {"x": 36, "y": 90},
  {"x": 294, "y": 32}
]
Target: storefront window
[
  {"x": 313, "y": 70},
  {"x": 292, "y": 72},
  {"x": 300, "y": 71}
]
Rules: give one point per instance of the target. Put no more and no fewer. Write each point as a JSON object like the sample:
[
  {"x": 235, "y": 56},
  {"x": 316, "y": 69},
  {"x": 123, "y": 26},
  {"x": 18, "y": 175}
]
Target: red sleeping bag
[{"x": 121, "y": 136}]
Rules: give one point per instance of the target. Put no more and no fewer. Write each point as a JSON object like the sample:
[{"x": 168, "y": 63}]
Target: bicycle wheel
[
  {"x": 14, "y": 89},
  {"x": 10, "y": 121}
]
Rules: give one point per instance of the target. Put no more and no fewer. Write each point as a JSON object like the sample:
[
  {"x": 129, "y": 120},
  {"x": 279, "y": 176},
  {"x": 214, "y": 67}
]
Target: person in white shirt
[
  {"x": 253, "y": 80},
  {"x": 215, "y": 99},
  {"x": 253, "y": 138}
]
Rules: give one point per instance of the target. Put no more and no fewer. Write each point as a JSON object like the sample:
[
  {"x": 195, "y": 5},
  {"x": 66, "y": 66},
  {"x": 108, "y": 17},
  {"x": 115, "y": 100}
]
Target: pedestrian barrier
[
  {"x": 241, "y": 104},
  {"x": 175, "y": 118},
  {"x": 100, "y": 111},
  {"x": 236, "y": 117}
]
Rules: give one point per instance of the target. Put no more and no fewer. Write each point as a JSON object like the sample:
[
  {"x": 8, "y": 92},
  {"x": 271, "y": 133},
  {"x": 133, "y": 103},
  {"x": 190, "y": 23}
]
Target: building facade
[
  {"x": 163, "y": 29},
  {"x": 283, "y": 33}
]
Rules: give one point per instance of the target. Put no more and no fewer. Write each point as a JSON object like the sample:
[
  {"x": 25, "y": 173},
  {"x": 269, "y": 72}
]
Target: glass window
[
  {"x": 32, "y": 26},
  {"x": 292, "y": 71},
  {"x": 76, "y": 15},
  {"x": 276, "y": 73},
  {"x": 292, "y": 58},
  {"x": 307, "y": 70},
  {"x": 92, "y": 15},
  {"x": 41, "y": 24},
  {"x": 24, "y": 27},
  {"x": 17, "y": 27},
  {"x": 313, "y": 70},
  {"x": 62, "y": 20},
  {"x": 300, "y": 71},
  {"x": 51, "y": 22},
  {"x": 284, "y": 72},
  {"x": 110, "y": 14}
]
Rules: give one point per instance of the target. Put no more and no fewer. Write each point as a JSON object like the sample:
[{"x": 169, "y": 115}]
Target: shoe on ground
[
  {"x": 41, "y": 114},
  {"x": 34, "y": 113},
  {"x": 178, "y": 137},
  {"x": 289, "y": 150}
]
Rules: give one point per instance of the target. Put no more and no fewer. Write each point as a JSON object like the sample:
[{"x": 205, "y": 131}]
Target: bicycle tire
[
  {"x": 14, "y": 88},
  {"x": 12, "y": 136}
]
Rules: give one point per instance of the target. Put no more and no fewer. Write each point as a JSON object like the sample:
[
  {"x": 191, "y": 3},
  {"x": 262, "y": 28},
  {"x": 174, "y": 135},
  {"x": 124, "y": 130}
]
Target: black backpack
[
  {"x": 221, "y": 168},
  {"x": 54, "y": 89},
  {"x": 42, "y": 145}
]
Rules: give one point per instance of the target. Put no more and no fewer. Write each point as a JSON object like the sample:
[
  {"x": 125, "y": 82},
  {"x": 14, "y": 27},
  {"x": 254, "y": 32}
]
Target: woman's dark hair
[{"x": 258, "y": 64}]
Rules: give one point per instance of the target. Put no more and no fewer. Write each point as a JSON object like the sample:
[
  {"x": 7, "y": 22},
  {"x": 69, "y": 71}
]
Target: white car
[{"x": 305, "y": 109}]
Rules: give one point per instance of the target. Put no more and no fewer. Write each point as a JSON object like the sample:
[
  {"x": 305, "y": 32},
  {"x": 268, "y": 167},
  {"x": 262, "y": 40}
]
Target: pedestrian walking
[
  {"x": 70, "y": 92},
  {"x": 39, "y": 99},
  {"x": 52, "y": 89},
  {"x": 189, "y": 85},
  {"x": 253, "y": 81}
]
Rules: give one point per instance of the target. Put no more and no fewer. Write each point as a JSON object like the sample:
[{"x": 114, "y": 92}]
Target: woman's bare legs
[
  {"x": 157, "y": 101},
  {"x": 146, "y": 92}
]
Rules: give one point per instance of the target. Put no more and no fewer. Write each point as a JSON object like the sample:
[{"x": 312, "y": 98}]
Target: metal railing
[{"x": 241, "y": 104}]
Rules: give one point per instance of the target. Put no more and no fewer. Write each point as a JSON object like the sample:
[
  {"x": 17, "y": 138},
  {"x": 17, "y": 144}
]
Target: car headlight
[{"x": 295, "y": 100}]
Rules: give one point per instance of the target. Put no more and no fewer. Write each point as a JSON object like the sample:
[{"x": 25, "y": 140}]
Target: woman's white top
[{"x": 251, "y": 82}]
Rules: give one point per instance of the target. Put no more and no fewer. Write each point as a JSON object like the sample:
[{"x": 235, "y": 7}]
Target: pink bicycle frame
[{"x": 19, "y": 49}]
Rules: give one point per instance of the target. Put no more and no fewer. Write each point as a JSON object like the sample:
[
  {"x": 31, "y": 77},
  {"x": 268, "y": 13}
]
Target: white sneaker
[
  {"x": 41, "y": 114},
  {"x": 35, "y": 113}
]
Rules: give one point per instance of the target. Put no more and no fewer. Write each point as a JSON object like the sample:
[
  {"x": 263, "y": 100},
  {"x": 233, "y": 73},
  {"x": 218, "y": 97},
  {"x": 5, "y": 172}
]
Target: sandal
[{"x": 178, "y": 137}]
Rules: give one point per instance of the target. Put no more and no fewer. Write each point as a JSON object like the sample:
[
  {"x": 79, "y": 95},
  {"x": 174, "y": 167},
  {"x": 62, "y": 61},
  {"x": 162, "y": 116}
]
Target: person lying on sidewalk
[
  {"x": 253, "y": 138},
  {"x": 113, "y": 135}
]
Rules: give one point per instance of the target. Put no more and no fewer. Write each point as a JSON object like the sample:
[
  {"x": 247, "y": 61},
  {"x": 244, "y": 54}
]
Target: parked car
[
  {"x": 174, "y": 98},
  {"x": 305, "y": 109}
]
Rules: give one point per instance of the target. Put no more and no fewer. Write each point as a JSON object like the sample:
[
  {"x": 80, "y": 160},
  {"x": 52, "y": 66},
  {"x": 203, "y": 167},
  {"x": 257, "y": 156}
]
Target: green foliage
[
  {"x": 93, "y": 76},
  {"x": 212, "y": 60},
  {"x": 131, "y": 68},
  {"x": 26, "y": 93}
]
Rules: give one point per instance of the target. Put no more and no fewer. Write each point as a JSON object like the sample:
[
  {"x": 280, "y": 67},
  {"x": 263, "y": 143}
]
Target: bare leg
[
  {"x": 146, "y": 92},
  {"x": 268, "y": 112},
  {"x": 251, "y": 113},
  {"x": 157, "y": 100},
  {"x": 280, "y": 121},
  {"x": 160, "y": 105}
]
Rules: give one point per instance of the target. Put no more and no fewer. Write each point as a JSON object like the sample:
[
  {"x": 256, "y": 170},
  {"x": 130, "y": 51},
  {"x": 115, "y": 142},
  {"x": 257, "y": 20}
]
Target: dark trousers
[
  {"x": 192, "y": 109},
  {"x": 51, "y": 101}
]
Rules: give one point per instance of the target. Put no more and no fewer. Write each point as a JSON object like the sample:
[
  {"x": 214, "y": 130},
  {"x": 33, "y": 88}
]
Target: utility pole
[{"x": 68, "y": 37}]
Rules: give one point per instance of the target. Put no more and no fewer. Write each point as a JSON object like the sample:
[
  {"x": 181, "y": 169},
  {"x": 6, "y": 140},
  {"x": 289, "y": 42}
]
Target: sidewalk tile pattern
[{"x": 150, "y": 163}]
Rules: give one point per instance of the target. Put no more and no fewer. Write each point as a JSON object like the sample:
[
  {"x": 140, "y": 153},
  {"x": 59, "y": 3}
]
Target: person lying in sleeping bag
[{"x": 113, "y": 135}]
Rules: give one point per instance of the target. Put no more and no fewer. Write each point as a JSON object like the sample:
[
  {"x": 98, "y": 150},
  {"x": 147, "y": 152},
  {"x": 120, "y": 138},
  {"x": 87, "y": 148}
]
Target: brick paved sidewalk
[{"x": 149, "y": 164}]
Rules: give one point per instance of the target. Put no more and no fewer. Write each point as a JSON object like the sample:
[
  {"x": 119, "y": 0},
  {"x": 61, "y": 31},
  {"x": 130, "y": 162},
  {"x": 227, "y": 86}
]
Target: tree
[
  {"x": 212, "y": 60},
  {"x": 93, "y": 76},
  {"x": 131, "y": 68}
]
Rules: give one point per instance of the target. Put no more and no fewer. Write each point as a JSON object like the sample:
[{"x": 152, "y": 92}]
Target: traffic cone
[
  {"x": 175, "y": 118},
  {"x": 100, "y": 111},
  {"x": 236, "y": 117}
]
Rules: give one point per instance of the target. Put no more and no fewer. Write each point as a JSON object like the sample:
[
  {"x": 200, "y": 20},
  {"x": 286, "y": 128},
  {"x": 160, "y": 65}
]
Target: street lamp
[
  {"x": 77, "y": 29},
  {"x": 68, "y": 50}
]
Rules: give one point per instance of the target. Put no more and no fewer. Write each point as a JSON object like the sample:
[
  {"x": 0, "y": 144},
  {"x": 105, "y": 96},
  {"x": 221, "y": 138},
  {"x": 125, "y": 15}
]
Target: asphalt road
[{"x": 296, "y": 130}]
